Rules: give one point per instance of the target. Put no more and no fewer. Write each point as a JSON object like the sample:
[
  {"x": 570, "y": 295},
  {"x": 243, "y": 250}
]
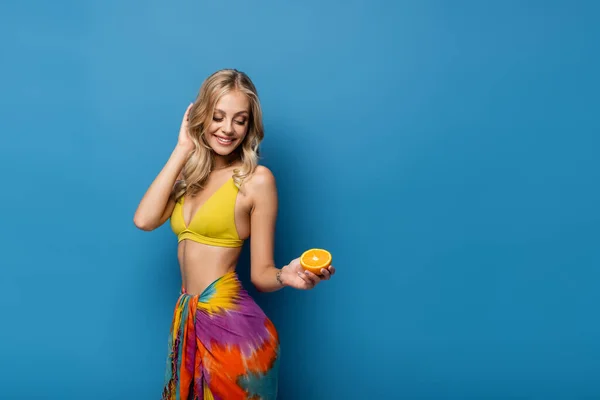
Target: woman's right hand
[{"x": 184, "y": 142}]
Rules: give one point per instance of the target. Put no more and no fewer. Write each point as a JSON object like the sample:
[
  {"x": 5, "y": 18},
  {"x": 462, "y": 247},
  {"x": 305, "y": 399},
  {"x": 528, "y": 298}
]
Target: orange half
[{"x": 314, "y": 260}]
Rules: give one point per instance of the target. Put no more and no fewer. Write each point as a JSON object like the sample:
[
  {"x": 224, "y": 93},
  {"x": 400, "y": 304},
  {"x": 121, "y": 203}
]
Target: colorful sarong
[{"x": 222, "y": 346}]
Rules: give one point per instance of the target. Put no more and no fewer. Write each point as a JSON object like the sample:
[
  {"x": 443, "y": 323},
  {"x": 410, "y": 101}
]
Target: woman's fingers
[
  {"x": 313, "y": 278},
  {"x": 306, "y": 280}
]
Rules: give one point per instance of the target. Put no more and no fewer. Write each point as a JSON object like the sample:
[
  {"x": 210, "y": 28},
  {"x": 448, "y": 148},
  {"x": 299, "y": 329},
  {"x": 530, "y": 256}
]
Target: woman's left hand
[{"x": 293, "y": 275}]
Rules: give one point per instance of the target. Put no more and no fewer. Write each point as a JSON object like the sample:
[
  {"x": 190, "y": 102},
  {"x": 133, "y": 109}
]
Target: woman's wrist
[
  {"x": 282, "y": 276},
  {"x": 278, "y": 277},
  {"x": 183, "y": 150}
]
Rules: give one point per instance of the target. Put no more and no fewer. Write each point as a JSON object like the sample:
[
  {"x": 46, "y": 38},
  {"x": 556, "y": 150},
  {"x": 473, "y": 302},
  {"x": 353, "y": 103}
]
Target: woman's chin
[{"x": 222, "y": 150}]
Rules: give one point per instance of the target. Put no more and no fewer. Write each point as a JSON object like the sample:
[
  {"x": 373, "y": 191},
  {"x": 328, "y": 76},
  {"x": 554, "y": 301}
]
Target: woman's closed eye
[{"x": 243, "y": 122}]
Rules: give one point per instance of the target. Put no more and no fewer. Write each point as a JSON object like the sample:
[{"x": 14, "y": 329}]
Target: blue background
[{"x": 446, "y": 152}]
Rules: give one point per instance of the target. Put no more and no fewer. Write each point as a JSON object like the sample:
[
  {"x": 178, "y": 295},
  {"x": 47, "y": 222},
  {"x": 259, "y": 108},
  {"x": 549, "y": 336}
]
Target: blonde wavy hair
[{"x": 201, "y": 161}]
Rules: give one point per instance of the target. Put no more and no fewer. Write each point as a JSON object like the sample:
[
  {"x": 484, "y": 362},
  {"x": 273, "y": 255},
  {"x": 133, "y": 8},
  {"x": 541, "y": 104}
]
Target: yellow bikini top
[{"x": 213, "y": 223}]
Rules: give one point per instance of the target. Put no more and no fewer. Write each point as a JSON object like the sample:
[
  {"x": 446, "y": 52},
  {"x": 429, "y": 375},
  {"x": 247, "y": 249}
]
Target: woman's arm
[
  {"x": 263, "y": 271},
  {"x": 156, "y": 206},
  {"x": 264, "y": 274}
]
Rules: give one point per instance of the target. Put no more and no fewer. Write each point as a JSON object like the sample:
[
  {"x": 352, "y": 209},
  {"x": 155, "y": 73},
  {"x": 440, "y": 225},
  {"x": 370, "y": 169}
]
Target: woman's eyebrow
[{"x": 237, "y": 113}]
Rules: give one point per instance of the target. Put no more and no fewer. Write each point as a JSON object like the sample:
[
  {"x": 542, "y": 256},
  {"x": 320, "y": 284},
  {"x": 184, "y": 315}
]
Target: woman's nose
[{"x": 227, "y": 127}]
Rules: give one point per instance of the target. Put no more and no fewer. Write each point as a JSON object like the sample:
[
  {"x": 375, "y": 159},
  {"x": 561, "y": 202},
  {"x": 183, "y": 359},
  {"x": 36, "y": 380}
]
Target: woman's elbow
[
  {"x": 142, "y": 223},
  {"x": 258, "y": 283}
]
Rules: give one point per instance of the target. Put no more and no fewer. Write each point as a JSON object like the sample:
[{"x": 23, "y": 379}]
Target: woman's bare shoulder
[
  {"x": 261, "y": 178},
  {"x": 261, "y": 182}
]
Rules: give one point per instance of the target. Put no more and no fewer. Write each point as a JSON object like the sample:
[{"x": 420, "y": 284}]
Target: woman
[{"x": 221, "y": 345}]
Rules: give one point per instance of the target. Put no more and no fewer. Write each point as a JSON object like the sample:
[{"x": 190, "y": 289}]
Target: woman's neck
[{"x": 222, "y": 162}]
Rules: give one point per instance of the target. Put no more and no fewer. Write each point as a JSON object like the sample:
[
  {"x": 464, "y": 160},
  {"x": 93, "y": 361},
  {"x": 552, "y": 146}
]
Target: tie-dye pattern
[{"x": 221, "y": 346}]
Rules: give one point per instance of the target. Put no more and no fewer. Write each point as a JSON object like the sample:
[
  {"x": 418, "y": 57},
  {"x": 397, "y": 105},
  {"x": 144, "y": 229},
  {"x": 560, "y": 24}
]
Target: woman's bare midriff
[{"x": 202, "y": 264}]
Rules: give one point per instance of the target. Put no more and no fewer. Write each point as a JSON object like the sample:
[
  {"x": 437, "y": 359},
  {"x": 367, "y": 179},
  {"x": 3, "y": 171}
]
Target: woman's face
[{"x": 229, "y": 125}]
